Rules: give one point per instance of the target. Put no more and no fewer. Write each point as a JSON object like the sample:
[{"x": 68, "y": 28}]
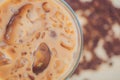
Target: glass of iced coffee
[{"x": 39, "y": 40}]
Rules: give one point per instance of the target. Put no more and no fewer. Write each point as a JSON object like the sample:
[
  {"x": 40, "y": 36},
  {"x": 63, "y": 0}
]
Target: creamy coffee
[{"x": 37, "y": 40}]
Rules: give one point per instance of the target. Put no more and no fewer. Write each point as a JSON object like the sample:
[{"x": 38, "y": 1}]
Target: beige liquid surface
[{"x": 24, "y": 25}]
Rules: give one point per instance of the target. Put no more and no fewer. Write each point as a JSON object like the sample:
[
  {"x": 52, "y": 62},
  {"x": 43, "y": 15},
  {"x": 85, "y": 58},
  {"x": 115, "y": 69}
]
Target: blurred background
[{"x": 100, "y": 21}]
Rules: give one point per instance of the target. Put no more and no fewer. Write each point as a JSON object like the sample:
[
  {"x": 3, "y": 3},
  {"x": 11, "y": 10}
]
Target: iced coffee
[{"x": 37, "y": 40}]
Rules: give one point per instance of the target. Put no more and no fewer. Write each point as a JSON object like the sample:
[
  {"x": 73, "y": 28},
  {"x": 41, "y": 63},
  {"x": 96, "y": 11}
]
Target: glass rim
[{"x": 77, "y": 22}]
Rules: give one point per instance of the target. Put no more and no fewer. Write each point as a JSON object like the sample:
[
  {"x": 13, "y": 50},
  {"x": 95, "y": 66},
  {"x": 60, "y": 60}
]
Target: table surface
[{"x": 110, "y": 69}]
